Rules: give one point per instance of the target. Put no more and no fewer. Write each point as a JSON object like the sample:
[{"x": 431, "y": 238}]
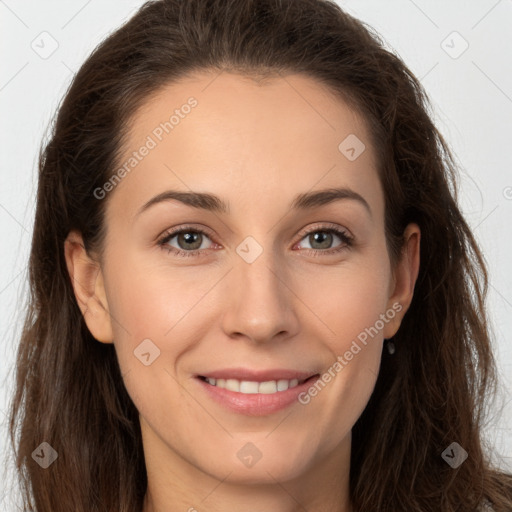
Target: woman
[{"x": 189, "y": 346}]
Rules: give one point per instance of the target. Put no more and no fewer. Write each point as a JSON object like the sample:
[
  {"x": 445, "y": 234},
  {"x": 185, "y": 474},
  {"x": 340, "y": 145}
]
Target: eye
[
  {"x": 185, "y": 241},
  {"x": 320, "y": 240},
  {"x": 192, "y": 241}
]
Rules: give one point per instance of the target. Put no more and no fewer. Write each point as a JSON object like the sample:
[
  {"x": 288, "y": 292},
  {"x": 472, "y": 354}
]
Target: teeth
[{"x": 251, "y": 387}]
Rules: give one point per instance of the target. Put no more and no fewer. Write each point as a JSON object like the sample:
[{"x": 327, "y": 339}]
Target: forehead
[
  {"x": 228, "y": 132},
  {"x": 291, "y": 103}
]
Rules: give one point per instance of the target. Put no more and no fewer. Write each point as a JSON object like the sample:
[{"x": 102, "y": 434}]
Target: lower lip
[{"x": 255, "y": 404}]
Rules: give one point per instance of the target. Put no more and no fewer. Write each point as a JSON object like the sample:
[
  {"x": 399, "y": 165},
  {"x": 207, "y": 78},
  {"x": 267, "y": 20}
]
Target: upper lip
[{"x": 253, "y": 375}]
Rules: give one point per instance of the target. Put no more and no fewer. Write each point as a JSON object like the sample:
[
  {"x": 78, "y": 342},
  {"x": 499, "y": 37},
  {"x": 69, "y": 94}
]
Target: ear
[
  {"x": 404, "y": 279},
  {"x": 87, "y": 280}
]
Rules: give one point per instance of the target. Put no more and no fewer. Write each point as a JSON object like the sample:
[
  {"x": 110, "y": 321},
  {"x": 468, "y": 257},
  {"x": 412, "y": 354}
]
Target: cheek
[
  {"x": 352, "y": 304},
  {"x": 348, "y": 299},
  {"x": 159, "y": 315},
  {"x": 151, "y": 300}
]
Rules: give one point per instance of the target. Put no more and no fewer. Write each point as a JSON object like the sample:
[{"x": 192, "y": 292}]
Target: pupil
[
  {"x": 321, "y": 237},
  {"x": 190, "y": 239}
]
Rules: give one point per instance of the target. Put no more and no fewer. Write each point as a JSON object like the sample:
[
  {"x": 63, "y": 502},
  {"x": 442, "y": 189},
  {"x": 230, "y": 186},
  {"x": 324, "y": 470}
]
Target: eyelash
[{"x": 347, "y": 240}]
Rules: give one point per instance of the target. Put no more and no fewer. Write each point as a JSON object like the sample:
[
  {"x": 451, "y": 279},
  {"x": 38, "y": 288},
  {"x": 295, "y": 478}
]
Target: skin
[{"x": 256, "y": 145}]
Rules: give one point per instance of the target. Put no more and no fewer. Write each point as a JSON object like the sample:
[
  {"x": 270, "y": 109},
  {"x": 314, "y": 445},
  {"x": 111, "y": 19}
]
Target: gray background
[{"x": 44, "y": 43}]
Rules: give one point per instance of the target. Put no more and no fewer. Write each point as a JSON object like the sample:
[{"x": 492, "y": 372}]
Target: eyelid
[
  {"x": 324, "y": 226},
  {"x": 186, "y": 227}
]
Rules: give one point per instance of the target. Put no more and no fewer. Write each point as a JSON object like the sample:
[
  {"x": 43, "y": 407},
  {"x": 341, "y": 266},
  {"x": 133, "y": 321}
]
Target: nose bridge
[{"x": 261, "y": 305}]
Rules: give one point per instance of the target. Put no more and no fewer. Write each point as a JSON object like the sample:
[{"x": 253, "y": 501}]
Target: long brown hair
[{"x": 430, "y": 393}]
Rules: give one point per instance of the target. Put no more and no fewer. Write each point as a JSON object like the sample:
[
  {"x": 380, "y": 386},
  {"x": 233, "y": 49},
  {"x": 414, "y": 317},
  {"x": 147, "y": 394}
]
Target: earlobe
[
  {"x": 404, "y": 279},
  {"x": 89, "y": 287}
]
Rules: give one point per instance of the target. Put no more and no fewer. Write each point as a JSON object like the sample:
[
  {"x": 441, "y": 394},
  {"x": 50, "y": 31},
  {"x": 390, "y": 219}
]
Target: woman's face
[{"x": 271, "y": 269}]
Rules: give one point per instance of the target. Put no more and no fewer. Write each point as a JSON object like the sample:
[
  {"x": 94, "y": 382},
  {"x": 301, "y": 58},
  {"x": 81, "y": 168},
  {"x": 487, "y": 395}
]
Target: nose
[{"x": 261, "y": 305}]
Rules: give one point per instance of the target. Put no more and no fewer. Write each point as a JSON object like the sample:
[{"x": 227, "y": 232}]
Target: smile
[
  {"x": 253, "y": 387},
  {"x": 245, "y": 395}
]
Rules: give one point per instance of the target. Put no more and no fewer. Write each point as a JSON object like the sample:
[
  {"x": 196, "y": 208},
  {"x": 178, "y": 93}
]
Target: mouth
[
  {"x": 255, "y": 393},
  {"x": 250, "y": 387}
]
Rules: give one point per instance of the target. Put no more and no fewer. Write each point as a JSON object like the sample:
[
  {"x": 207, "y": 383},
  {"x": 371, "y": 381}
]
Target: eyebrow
[{"x": 213, "y": 203}]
